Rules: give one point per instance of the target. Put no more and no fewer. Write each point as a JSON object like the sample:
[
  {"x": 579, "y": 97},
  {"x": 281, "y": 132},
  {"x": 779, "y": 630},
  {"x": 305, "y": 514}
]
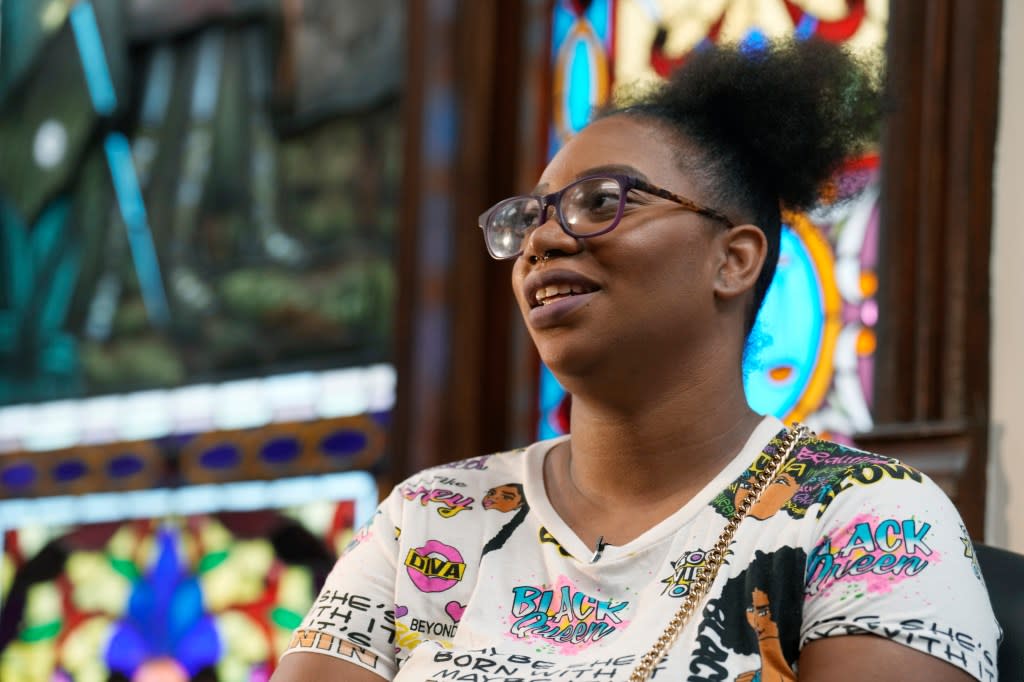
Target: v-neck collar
[{"x": 536, "y": 495}]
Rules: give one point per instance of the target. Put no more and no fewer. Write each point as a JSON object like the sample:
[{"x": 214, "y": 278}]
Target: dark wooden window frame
[{"x": 932, "y": 362}]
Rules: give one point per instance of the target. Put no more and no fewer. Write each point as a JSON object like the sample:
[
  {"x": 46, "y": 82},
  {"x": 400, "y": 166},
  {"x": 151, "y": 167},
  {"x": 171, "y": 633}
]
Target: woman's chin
[{"x": 567, "y": 361}]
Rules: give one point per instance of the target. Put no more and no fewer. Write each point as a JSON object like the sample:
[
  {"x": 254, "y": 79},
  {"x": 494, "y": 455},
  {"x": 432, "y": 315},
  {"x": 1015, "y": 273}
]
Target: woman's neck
[
  {"x": 663, "y": 451},
  {"x": 623, "y": 472}
]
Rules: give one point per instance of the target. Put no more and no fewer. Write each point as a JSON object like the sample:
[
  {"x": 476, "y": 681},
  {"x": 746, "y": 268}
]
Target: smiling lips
[{"x": 555, "y": 292}]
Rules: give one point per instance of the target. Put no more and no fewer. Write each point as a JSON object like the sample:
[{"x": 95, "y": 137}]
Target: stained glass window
[
  {"x": 198, "y": 205},
  {"x": 810, "y": 354},
  {"x": 201, "y": 582},
  {"x": 227, "y": 211}
]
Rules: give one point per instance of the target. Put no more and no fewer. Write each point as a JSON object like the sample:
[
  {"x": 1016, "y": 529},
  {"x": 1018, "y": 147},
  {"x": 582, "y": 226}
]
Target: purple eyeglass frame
[{"x": 626, "y": 183}]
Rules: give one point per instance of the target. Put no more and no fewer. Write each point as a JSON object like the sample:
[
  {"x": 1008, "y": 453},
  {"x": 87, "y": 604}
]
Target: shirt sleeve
[
  {"x": 353, "y": 618},
  {"x": 891, "y": 557}
]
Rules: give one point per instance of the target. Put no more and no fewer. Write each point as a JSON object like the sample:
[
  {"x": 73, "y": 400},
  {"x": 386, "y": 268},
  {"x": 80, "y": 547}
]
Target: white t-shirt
[{"x": 467, "y": 573}]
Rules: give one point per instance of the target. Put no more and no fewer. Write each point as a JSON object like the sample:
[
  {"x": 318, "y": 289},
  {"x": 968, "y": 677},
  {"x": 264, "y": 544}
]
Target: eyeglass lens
[{"x": 588, "y": 206}]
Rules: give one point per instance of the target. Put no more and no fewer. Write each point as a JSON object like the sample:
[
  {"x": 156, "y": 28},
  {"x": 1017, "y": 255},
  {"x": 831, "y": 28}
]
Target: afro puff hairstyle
[{"x": 762, "y": 130}]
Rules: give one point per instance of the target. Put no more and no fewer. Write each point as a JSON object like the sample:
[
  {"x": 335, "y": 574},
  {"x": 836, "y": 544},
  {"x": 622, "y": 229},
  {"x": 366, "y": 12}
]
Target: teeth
[{"x": 549, "y": 292}]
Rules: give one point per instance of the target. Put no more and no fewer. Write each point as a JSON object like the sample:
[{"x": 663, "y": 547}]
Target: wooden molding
[{"x": 932, "y": 363}]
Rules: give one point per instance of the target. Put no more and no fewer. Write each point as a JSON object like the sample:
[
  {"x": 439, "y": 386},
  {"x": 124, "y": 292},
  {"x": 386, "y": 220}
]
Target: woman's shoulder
[
  {"x": 820, "y": 473},
  {"x": 827, "y": 472},
  {"x": 479, "y": 468},
  {"x": 492, "y": 479}
]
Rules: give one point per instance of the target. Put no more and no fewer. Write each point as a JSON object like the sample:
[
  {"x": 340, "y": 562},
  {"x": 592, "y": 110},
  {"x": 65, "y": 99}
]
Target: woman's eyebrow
[
  {"x": 606, "y": 169},
  {"x": 614, "y": 169}
]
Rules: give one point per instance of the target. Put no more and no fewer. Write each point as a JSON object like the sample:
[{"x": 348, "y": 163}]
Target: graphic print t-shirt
[{"x": 467, "y": 573}]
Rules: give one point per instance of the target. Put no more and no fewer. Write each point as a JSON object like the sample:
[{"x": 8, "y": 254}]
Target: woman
[{"x": 675, "y": 534}]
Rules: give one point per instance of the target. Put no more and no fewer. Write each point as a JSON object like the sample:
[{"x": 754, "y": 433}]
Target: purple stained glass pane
[
  {"x": 344, "y": 443},
  {"x": 222, "y": 456},
  {"x": 124, "y": 465},
  {"x": 20, "y": 475},
  {"x": 70, "y": 470},
  {"x": 281, "y": 450}
]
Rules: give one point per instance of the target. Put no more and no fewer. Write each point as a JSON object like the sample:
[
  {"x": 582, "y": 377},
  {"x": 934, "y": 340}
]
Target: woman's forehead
[{"x": 616, "y": 141}]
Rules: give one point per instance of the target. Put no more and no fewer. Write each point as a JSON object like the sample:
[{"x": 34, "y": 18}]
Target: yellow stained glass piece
[
  {"x": 295, "y": 590},
  {"x": 243, "y": 637},
  {"x": 97, "y": 586},
  {"x": 688, "y": 22},
  {"x": 6, "y": 573},
  {"x": 239, "y": 579},
  {"x": 123, "y": 542},
  {"x": 83, "y": 650},
  {"x": 28, "y": 662},
  {"x": 214, "y": 535},
  {"x": 42, "y": 605},
  {"x": 316, "y": 516}
]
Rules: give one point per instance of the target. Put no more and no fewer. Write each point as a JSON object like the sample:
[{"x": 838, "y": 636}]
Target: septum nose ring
[{"x": 546, "y": 256}]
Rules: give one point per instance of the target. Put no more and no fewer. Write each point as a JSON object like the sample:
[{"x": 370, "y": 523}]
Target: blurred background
[{"x": 242, "y": 290}]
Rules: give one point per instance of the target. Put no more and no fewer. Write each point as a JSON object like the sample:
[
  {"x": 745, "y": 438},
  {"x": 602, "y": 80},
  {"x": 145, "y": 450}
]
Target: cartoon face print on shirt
[
  {"x": 505, "y": 498},
  {"x": 773, "y": 663},
  {"x": 759, "y": 615},
  {"x": 775, "y": 495},
  {"x": 758, "y": 612}
]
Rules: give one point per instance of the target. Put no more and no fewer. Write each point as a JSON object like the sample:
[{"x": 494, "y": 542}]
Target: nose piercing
[{"x": 546, "y": 256}]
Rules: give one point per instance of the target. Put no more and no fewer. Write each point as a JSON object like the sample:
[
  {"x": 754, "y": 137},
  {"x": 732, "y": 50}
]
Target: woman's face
[
  {"x": 650, "y": 281},
  {"x": 759, "y": 615},
  {"x": 775, "y": 495},
  {"x": 504, "y": 498}
]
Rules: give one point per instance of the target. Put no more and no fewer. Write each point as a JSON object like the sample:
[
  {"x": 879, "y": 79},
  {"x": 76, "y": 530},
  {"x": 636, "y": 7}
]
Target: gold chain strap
[{"x": 716, "y": 557}]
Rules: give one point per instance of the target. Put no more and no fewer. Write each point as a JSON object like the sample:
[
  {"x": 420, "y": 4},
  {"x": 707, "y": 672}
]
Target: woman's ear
[{"x": 743, "y": 251}]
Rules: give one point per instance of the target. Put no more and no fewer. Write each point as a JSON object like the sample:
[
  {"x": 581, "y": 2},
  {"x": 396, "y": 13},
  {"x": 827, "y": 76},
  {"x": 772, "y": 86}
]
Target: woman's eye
[
  {"x": 602, "y": 199},
  {"x": 602, "y": 203}
]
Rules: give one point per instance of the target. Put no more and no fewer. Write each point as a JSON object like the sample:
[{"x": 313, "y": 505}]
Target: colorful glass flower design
[
  {"x": 166, "y": 634},
  {"x": 173, "y": 599}
]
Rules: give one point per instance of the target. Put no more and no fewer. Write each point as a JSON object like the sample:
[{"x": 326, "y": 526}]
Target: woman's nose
[{"x": 549, "y": 239}]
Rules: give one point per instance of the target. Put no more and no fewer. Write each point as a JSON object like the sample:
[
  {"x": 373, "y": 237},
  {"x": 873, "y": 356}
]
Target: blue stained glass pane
[
  {"x": 223, "y": 456},
  {"x": 580, "y": 86},
  {"x": 19, "y": 475},
  {"x": 185, "y": 609},
  {"x": 200, "y": 646},
  {"x": 281, "y": 450},
  {"x": 125, "y": 465},
  {"x": 755, "y": 41},
  {"x": 127, "y": 649},
  {"x": 551, "y": 394},
  {"x": 561, "y": 22},
  {"x": 140, "y": 238},
  {"x": 806, "y": 28},
  {"x": 787, "y": 336},
  {"x": 442, "y": 121},
  {"x": 94, "y": 59},
  {"x": 69, "y": 470},
  {"x": 344, "y": 443},
  {"x": 598, "y": 14}
]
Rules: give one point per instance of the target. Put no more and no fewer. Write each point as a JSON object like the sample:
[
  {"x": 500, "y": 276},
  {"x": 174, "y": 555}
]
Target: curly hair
[
  {"x": 779, "y": 574},
  {"x": 761, "y": 130}
]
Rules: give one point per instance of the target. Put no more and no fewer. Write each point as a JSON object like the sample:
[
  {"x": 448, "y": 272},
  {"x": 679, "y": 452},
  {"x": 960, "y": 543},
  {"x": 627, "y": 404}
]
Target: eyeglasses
[{"x": 588, "y": 207}]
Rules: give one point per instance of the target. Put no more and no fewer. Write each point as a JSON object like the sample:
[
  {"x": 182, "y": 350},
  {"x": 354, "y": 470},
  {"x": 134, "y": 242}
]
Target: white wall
[{"x": 1004, "y": 519}]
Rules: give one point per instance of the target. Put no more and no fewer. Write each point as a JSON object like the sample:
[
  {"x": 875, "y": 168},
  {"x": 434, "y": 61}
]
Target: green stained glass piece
[
  {"x": 125, "y": 568},
  {"x": 212, "y": 561},
  {"x": 286, "y": 618},
  {"x": 38, "y": 633}
]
